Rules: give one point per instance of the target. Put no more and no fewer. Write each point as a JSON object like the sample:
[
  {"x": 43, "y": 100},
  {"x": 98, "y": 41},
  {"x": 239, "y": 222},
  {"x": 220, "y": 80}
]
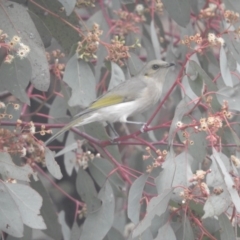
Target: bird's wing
[{"x": 118, "y": 94}]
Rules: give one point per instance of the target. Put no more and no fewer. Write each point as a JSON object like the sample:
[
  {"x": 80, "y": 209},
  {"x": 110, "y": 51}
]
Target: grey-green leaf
[
  {"x": 15, "y": 16},
  {"x": 157, "y": 206},
  {"x": 134, "y": 197},
  {"x": 68, "y": 5},
  {"x": 87, "y": 190},
  {"x": 51, "y": 164},
  {"x": 227, "y": 230},
  {"x": 79, "y": 76},
  {"x": 48, "y": 211},
  {"x": 29, "y": 203},
  {"x": 155, "y": 41},
  {"x": 100, "y": 169},
  {"x": 231, "y": 95},
  {"x": 179, "y": 11},
  {"x": 65, "y": 228},
  {"x": 166, "y": 232},
  {"x": 225, "y": 72},
  {"x": 135, "y": 64},
  {"x": 15, "y": 76},
  {"x": 9, "y": 170},
  {"x": 228, "y": 181},
  {"x": 232, "y": 5},
  {"x": 99, "y": 222},
  {"x": 10, "y": 216},
  {"x": 117, "y": 76}
]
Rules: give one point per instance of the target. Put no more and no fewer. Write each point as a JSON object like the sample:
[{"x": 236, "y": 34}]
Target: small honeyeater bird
[{"x": 132, "y": 96}]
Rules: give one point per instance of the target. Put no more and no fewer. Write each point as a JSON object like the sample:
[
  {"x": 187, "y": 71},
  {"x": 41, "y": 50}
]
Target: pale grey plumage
[{"x": 128, "y": 98}]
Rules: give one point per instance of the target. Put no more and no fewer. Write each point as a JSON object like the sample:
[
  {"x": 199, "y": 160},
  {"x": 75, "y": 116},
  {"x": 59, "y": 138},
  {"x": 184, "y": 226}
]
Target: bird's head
[{"x": 156, "y": 69}]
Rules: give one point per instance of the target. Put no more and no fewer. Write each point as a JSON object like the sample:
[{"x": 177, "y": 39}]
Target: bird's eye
[{"x": 155, "y": 66}]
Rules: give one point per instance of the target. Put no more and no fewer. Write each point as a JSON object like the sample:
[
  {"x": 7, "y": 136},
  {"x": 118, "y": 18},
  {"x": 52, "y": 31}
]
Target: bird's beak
[{"x": 171, "y": 64}]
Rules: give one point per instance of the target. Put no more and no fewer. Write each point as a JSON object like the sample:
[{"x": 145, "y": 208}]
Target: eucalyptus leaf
[
  {"x": 48, "y": 211},
  {"x": 117, "y": 76},
  {"x": 225, "y": 72},
  {"x": 228, "y": 181},
  {"x": 52, "y": 165},
  {"x": 179, "y": 11},
  {"x": 57, "y": 111},
  {"x": 69, "y": 155},
  {"x": 68, "y": 5},
  {"x": 182, "y": 108},
  {"x": 29, "y": 203},
  {"x": 100, "y": 169},
  {"x": 65, "y": 229},
  {"x": 146, "y": 42},
  {"x": 166, "y": 232},
  {"x": 231, "y": 95},
  {"x": 176, "y": 172},
  {"x": 99, "y": 222},
  {"x": 98, "y": 131},
  {"x": 78, "y": 75},
  {"x": 42, "y": 29},
  {"x": 14, "y": 16},
  {"x": 134, "y": 64},
  {"x": 217, "y": 204},
  {"x": 232, "y": 5},
  {"x": 232, "y": 45},
  {"x": 211, "y": 87},
  {"x": 65, "y": 35},
  {"x": 155, "y": 41},
  {"x": 114, "y": 234},
  {"x": 27, "y": 235},
  {"x": 87, "y": 190},
  {"x": 15, "y": 77},
  {"x": 9, "y": 170},
  {"x": 75, "y": 231},
  {"x": 10, "y": 218},
  {"x": 134, "y": 197},
  {"x": 227, "y": 231},
  {"x": 156, "y": 206},
  {"x": 188, "y": 233}
]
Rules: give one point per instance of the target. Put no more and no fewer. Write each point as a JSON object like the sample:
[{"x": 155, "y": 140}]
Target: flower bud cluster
[
  {"x": 198, "y": 189},
  {"x": 231, "y": 16},
  {"x": 117, "y": 51},
  {"x": 3, "y": 36},
  {"x": 83, "y": 158},
  {"x": 88, "y": 47},
  {"x": 14, "y": 47},
  {"x": 83, "y": 212},
  {"x": 192, "y": 39},
  {"x": 157, "y": 161},
  {"x": 214, "y": 40},
  {"x": 56, "y": 67},
  {"x": 158, "y": 6},
  {"x": 140, "y": 9},
  {"x": 235, "y": 160},
  {"x": 237, "y": 31},
  {"x": 22, "y": 142},
  {"x": 127, "y": 22},
  {"x": 85, "y": 3},
  {"x": 208, "y": 12},
  {"x": 212, "y": 123},
  {"x": 4, "y": 109}
]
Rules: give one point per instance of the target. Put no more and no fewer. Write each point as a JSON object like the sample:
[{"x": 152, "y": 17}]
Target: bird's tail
[{"x": 76, "y": 122}]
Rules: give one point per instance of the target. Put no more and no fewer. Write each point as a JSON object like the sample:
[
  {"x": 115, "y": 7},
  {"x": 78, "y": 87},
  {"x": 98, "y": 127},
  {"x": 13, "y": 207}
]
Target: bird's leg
[
  {"x": 142, "y": 129},
  {"x": 113, "y": 130},
  {"x": 132, "y": 122}
]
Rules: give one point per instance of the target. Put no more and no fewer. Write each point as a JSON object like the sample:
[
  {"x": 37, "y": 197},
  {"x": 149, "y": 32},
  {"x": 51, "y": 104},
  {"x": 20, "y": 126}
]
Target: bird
[{"x": 130, "y": 97}]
